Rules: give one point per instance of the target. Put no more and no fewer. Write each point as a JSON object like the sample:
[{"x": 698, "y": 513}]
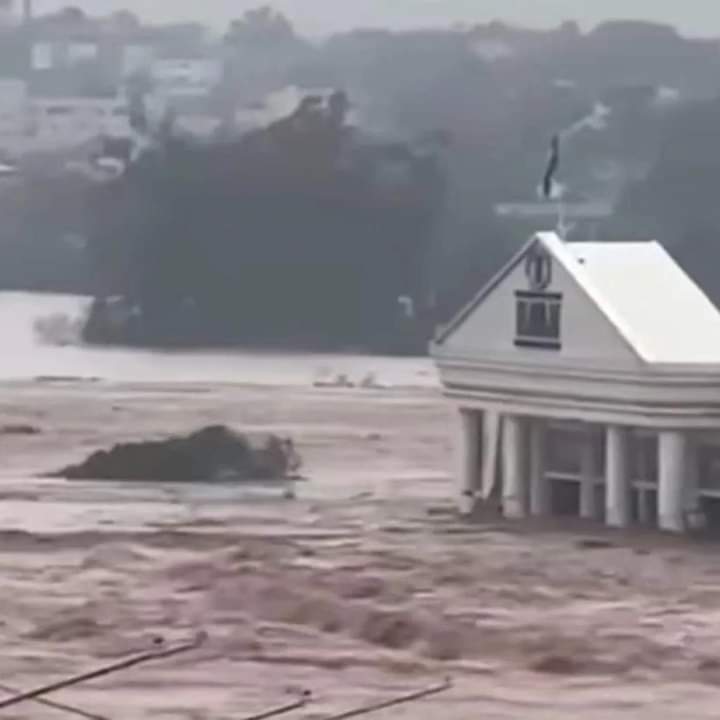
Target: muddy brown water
[{"x": 365, "y": 588}]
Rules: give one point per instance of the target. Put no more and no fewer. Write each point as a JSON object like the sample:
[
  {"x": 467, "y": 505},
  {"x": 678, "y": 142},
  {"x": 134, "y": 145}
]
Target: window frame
[{"x": 547, "y": 337}]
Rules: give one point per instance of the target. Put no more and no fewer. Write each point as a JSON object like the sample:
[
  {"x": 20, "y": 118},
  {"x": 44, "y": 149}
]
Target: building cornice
[{"x": 641, "y": 396}]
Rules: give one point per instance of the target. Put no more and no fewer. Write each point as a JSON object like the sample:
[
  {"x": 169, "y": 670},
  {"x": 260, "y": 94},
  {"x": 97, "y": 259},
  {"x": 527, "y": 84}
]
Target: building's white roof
[{"x": 653, "y": 303}]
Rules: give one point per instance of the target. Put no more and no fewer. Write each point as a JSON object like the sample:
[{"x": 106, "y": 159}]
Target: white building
[
  {"x": 177, "y": 77},
  {"x": 280, "y": 104},
  {"x": 61, "y": 53},
  {"x": 586, "y": 379},
  {"x": 43, "y": 56},
  {"x": 13, "y": 107},
  {"x": 66, "y": 122},
  {"x": 82, "y": 52},
  {"x": 47, "y": 124},
  {"x": 7, "y": 14},
  {"x": 137, "y": 58},
  {"x": 182, "y": 87}
]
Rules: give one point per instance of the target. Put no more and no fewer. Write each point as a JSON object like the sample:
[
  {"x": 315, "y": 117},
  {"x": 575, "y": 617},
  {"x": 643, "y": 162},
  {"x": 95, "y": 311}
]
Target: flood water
[
  {"x": 365, "y": 588},
  {"x": 25, "y": 356}
]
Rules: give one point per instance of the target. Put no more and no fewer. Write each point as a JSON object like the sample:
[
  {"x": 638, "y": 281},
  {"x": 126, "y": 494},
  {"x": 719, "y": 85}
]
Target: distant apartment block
[
  {"x": 184, "y": 76},
  {"x": 71, "y": 121},
  {"x": 13, "y": 107},
  {"x": 137, "y": 58},
  {"x": 30, "y": 124}
]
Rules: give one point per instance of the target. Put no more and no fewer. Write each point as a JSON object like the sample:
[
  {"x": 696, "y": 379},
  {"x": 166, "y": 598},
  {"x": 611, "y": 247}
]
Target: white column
[
  {"x": 490, "y": 451},
  {"x": 514, "y": 468},
  {"x": 588, "y": 496},
  {"x": 617, "y": 477},
  {"x": 672, "y": 464},
  {"x": 467, "y": 450},
  {"x": 540, "y": 489}
]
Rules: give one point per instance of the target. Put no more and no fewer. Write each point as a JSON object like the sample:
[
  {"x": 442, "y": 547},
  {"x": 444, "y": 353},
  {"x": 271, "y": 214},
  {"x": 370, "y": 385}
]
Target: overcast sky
[{"x": 323, "y": 16}]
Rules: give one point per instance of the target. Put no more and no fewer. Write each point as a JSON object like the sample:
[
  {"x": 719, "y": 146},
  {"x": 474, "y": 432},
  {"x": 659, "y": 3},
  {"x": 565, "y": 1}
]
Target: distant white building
[
  {"x": 61, "y": 53},
  {"x": 43, "y": 56},
  {"x": 277, "y": 105},
  {"x": 137, "y": 58},
  {"x": 490, "y": 49},
  {"x": 182, "y": 88},
  {"x": 65, "y": 122},
  {"x": 31, "y": 124},
  {"x": 585, "y": 379},
  {"x": 80, "y": 52},
  {"x": 13, "y": 108},
  {"x": 177, "y": 77},
  {"x": 7, "y": 13}
]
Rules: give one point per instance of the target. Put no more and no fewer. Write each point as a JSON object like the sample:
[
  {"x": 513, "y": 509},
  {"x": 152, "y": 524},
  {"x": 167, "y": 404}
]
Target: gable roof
[{"x": 652, "y": 303}]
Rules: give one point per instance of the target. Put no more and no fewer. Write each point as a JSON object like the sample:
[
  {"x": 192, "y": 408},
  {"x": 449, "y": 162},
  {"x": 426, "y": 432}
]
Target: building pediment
[
  {"x": 615, "y": 329},
  {"x": 535, "y": 311}
]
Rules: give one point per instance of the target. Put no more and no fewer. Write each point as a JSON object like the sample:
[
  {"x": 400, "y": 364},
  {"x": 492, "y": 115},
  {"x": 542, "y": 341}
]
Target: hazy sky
[{"x": 322, "y": 16}]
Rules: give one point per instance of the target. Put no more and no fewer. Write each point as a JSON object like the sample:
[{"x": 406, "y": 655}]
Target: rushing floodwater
[{"x": 25, "y": 355}]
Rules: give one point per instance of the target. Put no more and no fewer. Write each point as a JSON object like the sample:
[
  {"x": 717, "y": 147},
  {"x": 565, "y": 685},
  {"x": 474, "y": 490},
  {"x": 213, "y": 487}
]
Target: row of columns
[{"x": 526, "y": 487}]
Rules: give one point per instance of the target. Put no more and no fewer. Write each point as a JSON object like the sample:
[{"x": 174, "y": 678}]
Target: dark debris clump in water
[{"x": 212, "y": 454}]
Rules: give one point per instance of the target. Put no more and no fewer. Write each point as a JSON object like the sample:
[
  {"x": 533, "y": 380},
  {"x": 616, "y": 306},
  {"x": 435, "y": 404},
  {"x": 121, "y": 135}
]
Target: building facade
[
  {"x": 180, "y": 77},
  {"x": 585, "y": 380},
  {"x": 13, "y": 108},
  {"x": 66, "y": 122}
]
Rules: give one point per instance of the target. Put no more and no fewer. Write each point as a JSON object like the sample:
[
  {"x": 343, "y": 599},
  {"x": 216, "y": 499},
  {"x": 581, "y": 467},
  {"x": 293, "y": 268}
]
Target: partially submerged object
[
  {"x": 326, "y": 380},
  {"x": 394, "y": 702},
  {"x": 39, "y": 694},
  {"x": 213, "y": 454}
]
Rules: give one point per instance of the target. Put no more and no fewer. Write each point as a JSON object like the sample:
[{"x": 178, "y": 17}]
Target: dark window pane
[
  {"x": 709, "y": 467},
  {"x": 538, "y": 319}
]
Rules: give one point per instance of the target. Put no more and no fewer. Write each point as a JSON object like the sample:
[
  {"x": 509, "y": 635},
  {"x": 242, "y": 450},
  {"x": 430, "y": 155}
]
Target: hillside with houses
[{"x": 402, "y": 197}]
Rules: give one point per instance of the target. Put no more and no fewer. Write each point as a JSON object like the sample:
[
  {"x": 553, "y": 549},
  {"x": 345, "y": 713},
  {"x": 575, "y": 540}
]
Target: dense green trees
[
  {"x": 298, "y": 234},
  {"x": 309, "y": 231}
]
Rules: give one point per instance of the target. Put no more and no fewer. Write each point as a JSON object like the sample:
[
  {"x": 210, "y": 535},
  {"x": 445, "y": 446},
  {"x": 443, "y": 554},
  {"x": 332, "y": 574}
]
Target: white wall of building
[
  {"x": 36, "y": 124},
  {"x": 587, "y": 334},
  {"x": 82, "y": 52},
  {"x": 47, "y": 55},
  {"x": 177, "y": 77},
  {"x": 43, "y": 56},
  {"x": 57, "y": 123},
  {"x": 7, "y": 13},
  {"x": 278, "y": 105},
  {"x": 13, "y": 107},
  {"x": 137, "y": 58}
]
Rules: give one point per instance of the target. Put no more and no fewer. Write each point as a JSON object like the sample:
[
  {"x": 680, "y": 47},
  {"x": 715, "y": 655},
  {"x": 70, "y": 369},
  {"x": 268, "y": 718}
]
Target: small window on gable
[{"x": 538, "y": 320}]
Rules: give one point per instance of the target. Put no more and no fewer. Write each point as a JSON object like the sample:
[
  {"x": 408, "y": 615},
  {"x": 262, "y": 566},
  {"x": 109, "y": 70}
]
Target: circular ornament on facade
[{"x": 538, "y": 269}]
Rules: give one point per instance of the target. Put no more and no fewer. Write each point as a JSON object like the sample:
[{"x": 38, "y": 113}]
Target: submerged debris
[
  {"x": 214, "y": 453},
  {"x": 104, "y": 671},
  {"x": 368, "y": 382},
  {"x": 20, "y": 429}
]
